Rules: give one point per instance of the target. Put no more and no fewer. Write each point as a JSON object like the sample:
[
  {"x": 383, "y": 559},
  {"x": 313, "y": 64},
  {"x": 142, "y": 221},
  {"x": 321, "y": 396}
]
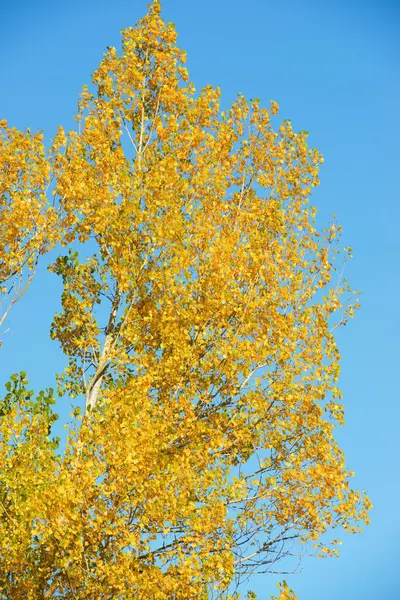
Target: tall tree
[{"x": 199, "y": 329}]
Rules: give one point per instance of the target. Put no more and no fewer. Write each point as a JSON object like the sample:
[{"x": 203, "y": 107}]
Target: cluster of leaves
[
  {"x": 28, "y": 464},
  {"x": 27, "y": 220},
  {"x": 200, "y": 332}
]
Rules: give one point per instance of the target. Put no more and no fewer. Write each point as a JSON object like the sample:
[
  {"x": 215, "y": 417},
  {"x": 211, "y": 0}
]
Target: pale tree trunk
[{"x": 94, "y": 386}]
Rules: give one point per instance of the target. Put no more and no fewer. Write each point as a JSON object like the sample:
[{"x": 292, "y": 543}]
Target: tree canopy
[{"x": 198, "y": 313}]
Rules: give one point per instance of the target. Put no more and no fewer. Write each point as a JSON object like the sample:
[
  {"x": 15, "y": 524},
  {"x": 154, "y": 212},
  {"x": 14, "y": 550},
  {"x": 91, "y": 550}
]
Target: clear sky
[{"x": 333, "y": 67}]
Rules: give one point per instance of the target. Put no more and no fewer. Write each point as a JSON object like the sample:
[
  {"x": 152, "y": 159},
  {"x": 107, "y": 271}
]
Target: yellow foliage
[
  {"x": 200, "y": 331},
  {"x": 27, "y": 219}
]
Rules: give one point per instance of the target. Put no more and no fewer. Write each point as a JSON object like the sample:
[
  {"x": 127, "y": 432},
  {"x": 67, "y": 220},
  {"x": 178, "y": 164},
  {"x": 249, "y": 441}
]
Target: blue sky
[{"x": 333, "y": 68}]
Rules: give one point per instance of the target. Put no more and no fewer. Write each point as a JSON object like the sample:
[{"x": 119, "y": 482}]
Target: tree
[{"x": 199, "y": 329}]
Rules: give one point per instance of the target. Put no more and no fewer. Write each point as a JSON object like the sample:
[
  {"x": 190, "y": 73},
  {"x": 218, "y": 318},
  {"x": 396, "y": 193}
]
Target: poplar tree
[{"x": 198, "y": 313}]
